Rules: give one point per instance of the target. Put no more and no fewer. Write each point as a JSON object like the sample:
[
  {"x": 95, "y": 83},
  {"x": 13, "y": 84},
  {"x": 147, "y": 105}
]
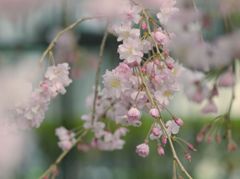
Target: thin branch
[
  {"x": 174, "y": 170},
  {"x": 150, "y": 33},
  {"x": 59, "y": 34},
  {"x": 61, "y": 157},
  {"x": 97, "y": 77}
]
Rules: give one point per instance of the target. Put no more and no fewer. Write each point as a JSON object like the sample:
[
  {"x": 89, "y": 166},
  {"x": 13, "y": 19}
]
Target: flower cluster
[
  {"x": 123, "y": 97},
  {"x": 66, "y": 137},
  {"x": 31, "y": 112}
]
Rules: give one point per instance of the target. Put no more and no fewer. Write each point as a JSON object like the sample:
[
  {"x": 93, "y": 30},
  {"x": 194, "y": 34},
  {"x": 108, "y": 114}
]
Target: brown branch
[
  {"x": 59, "y": 35},
  {"x": 61, "y": 157},
  {"x": 97, "y": 76}
]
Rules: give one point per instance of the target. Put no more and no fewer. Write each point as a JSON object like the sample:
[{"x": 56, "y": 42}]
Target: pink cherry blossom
[
  {"x": 178, "y": 121},
  {"x": 142, "y": 150},
  {"x": 66, "y": 138},
  {"x": 154, "y": 112},
  {"x": 133, "y": 116},
  {"x": 160, "y": 150},
  {"x": 156, "y": 132},
  {"x": 227, "y": 79},
  {"x": 210, "y": 107},
  {"x": 172, "y": 127}
]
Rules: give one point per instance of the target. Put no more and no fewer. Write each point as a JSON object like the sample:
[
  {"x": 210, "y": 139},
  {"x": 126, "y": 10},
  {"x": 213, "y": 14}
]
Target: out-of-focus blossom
[
  {"x": 142, "y": 150},
  {"x": 17, "y": 8},
  {"x": 227, "y": 79},
  {"x": 172, "y": 127},
  {"x": 160, "y": 150},
  {"x": 66, "y": 138},
  {"x": 210, "y": 107}
]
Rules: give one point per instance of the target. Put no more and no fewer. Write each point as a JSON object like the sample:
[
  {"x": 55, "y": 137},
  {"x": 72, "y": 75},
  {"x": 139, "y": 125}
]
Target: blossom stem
[
  {"x": 154, "y": 104},
  {"x": 61, "y": 157},
  {"x": 174, "y": 170}
]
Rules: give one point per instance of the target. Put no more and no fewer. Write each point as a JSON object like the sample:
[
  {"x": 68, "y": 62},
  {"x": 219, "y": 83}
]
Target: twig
[
  {"x": 174, "y": 170},
  {"x": 61, "y": 157},
  {"x": 97, "y": 77},
  {"x": 150, "y": 33},
  {"x": 59, "y": 34}
]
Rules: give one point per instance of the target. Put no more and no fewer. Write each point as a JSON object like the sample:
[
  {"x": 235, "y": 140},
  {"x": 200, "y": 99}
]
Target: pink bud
[
  {"x": 160, "y": 37},
  {"x": 154, "y": 112},
  {"x": 143, "y": 69},
  {"x": 232, "y": 146},
  {"x": 210, "y": 107},
  {"x": 160, "y": 150},
  {"x": 178, "y": 121},
  {"x": 156, "y": 131},
  {"x": 44, "y": 86},
  {"x": 144, "y": 25},
  {"x": 200, "y": 137},
  {"x": 218, "y": 138},
  {"x": 133, "y": 63},
  {"x": 190, "y": 147},
  {"x": 133, "y": 114},
  {"x": 164, "y": 139},
  {"x": 188, "y": 156},
  {"x": 227, "y": 79},
  {"x": 170, "y": 63},
  {"x": 209, "y": 139},
  {"x": 142, "y": 150},
  {"x": 65, "y": 144}
]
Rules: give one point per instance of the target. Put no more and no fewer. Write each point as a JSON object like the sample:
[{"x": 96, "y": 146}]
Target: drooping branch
[
  {"x": 97, "y": 76},
  {"x": 153, "y": 103},
  {"x": 59, "y": 35}
]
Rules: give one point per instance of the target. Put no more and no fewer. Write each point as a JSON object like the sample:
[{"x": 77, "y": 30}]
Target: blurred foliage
[{"x": 125, "y": 164}]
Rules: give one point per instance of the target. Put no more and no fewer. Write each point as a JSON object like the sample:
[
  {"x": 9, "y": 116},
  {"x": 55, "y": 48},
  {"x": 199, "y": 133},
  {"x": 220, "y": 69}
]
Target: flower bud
[
  {"x": 178, "y": 121},
  {"x": 154, "y": 112},
  {"x": 200, "y": 137},
  {"x": 232, "y": 146},
  {"x": 160, "y": 37},
  {"x": 209, "y": 139},
  {"x": 164, "y": 139},
  {"x": 156, "y": 131},
  {"x": 218, "y": 138},
  {"x": 160, "y": 150},
  {"x": 144, "y": 25},
  {"x": 188, "y": 156},
  {"x": 210, "y": 107},
  {"x": 142, "y": 150},
  {"x": 191, "y": 147},
  {"x": 170, "y": 63},
  {"x": 133, "y": 114},
  {"x": 227, "y": 79}
]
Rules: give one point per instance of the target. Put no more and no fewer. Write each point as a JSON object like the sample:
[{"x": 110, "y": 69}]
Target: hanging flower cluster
[
  {"x": 32, "y": 111},
  {"x": 146, "y": 69}
]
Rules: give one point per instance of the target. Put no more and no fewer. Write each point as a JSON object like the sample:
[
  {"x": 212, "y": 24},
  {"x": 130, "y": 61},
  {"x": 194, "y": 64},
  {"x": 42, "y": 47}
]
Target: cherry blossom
[
  {"x": 31, "y": 113},
  {"x": 66, "y": 137},
  {"x": 142, "y": 150}
]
